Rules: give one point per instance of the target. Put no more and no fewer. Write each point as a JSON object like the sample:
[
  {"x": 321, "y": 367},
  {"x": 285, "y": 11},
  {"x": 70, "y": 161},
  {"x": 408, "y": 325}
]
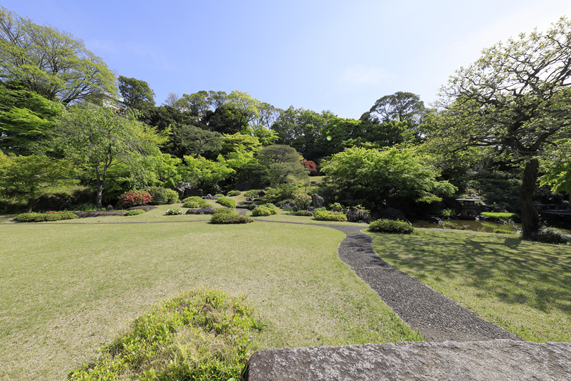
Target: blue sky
[{"x": 319, "y": 55}]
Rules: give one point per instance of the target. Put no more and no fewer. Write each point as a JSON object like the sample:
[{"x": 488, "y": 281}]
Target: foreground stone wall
[{"x": 477, "y": 360}]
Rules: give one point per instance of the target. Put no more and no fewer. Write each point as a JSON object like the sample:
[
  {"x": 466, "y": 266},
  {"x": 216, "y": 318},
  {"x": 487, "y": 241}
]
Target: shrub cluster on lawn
[
  {"x": 195, "y": 202},
  {"x": 161, "y": 196},
  {"x": 391, "y": 226},
  {"x": 551, "y": 235},
  {"x": 499, "y": 215},
  {"x": 134, "y": 212},
  {"x": 228, "y": 216},
  {"x": 251, "y": 193},
  {"x": 264, "y": 210},
  {"x": 207, "y": 210},
  {"x": 327, "y": 215},
  {"x": 233, "y": 193},
  {"x": 304, "y": 213},
  {"x": 42, "y": 217},
  {"x": 302, "y": 201},
  {"x": 200, "y": 335},
  {"x": 173, "y": 212},
  {"x": 134, "y": 198},
  {"x": 227, "y": 202},
  {"x": 504, "y": 231},
  {"x": 337, "y": 207}
]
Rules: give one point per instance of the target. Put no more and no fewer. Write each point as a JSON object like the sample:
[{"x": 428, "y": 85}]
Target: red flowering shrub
[
  {"x": 134, "y": 198},
  {"x": 310, "y": 165}
]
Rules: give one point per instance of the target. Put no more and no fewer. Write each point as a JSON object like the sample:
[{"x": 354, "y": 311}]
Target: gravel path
[{"x": 437, "y": 317}]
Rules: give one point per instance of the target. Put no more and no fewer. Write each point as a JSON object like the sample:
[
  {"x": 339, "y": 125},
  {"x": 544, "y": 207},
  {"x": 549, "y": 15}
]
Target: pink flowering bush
[{"x": 134, "y": 198}]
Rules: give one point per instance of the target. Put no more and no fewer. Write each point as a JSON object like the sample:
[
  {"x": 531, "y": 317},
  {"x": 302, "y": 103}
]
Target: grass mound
[{"x": 200, "y": 335}]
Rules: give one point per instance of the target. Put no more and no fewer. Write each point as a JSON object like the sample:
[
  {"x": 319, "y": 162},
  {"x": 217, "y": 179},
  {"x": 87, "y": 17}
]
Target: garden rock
[
  {"x": 475, "y": 360},
  {"x": 210, "y": 197},
  {"x": 207, "y": 210},
  {"x": 290, "y": 205},
  {"x": 109, "y": 207},
  {"x": 393, "y": 214},
  {"x": 317, "y": 201}
]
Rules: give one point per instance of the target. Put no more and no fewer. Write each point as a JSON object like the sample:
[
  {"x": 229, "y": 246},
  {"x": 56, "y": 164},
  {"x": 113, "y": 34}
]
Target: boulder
[
  {"x": 210, "y": 197},
  {"x": 290, "y": 205},
  {"x": 207, "y": 210},
  {"x": 109, "y": 207},
  {"x": 317, "y": 201}
]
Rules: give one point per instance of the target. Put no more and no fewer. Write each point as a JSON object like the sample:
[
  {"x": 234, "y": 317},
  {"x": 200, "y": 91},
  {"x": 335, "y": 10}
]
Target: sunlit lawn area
[
  {"x": 523, "y": 286},
  {"x": 68, "y": 288}
]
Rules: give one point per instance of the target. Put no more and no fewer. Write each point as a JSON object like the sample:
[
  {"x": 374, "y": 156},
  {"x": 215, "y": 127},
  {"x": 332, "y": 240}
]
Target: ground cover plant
[
  {"x": 522, "y": 286},
  {"x": 134, "y": 212},
  {"x": 68, "y": 289},
  {"x": 195, "y": 202},
  {"x": 200, "y": 335},
  {"x": 42, "y": 217},
  {"x": 229, "y": 216},
  {"x": 500, "y": 215},
  {"x": 234, "y": 193},
  {"x": 264, "y": 210},
  {"x": 327, "y": 215},
  {"x": 390, "y": 226}
]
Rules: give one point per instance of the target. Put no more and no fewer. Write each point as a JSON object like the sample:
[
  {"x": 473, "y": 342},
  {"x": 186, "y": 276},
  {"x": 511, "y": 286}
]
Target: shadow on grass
[{"x": 508, "y": 268}]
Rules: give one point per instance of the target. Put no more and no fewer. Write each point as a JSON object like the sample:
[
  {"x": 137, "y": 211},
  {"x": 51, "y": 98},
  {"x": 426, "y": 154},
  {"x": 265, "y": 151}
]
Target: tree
[
  {"x": 54, "y": 64},
  {"x": 205, "y": 174},
  {"x": 136, "y": 93},
  {"x": 24, "y": 118},
  {"x": 556, "y": 168},
  {"x": 95, "y": 137},
  {"x": 400, "y": 107},
  {"x": 227, "y": 119},
  {"x": 515, "y": 98},
  {"x": 191, "y": 140},
  {"x": 27, "y": 177},
  {"x": 282, "y": 162},
  {"x": 381, "y": 178}
]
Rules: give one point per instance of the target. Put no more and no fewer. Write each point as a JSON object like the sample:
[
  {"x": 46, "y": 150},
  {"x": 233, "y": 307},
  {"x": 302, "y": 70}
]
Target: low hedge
[
  {"x": 234, "y": 193},
  {"x": 195, "y": 202},
  {"x": 161, "y": 196},
  {"x": 43, "y": 217},
  {"x": 326, "y": 215},
  {"x": 264, "y": 210},
  {"x": 391, "y": 226},
  {"x": 227, "y": 202},
  {"x": 228, "y": 216},
  {"x": 504, "y": 231},
  {"x": 200, "y": 335},
  {"x": 134, "y": 212},
  {"x": 499, "y": 215}
]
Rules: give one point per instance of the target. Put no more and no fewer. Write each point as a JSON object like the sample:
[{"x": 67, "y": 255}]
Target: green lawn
[
  {"x": 523, "y": 286},
  {"x": 68, "y": 288}
]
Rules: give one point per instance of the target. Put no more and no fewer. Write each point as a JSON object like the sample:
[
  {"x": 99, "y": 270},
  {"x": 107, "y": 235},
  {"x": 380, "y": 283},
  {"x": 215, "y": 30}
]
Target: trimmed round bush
[
  {"x": 326, "y": 215},
  {"x": 551, "y": 235},
  {"x": 391, "y": 226},
  {"x": 42, "y": 217},
  {"x": 159, "y": 196},
  {"x": 251, "y": 193},
  {"x": 134, "y": 198},
  {"x": 207, "y": 210},
  {"x": 134, "y": 212},
  {"x": 304, "y": 213},
  {"x": 227, "y": 202},
  {"x": 264, "y": 210},
  {"x": 234, "y": 193},
  {"x": 195, "y": 202},
  {"x": 228, "y": 216}
]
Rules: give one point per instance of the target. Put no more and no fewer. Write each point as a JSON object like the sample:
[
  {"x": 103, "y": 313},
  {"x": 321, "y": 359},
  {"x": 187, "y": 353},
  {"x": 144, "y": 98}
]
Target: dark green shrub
[
  {"x": 251, "y": 193},
  {"x": 551, "y": 235},
  {"x": 304, "y": 213},
  {"x": 227, "y": 202},
  {"x": 43, "y": 217},
  {"x": 264, "y": 210},
  {"x": 234, "y": 193},
  {"x": 499, "y": 215},
  {"x": 159, "y": 196},
  {"x": 228, "y": 216},
  {"x": 337, "y": 207},
  {"x": 302, "y": 201},
  {"x": 391, "y": 226},
  {"x": 200, "y": 335},
  {"x": 326, "y": 215},
  {"x": 172, "y": 196},
  {"x": 452, "y": 225},
  {"x": 134, "y": 212},
  {"x": 504, "y": 231}
]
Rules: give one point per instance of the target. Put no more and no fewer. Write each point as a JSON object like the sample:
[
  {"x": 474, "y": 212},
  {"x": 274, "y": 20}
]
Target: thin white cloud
[{"x": 360, "y": 75}]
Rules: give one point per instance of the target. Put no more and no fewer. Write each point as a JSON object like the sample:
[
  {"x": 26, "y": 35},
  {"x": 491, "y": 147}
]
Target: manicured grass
[
  {"x": 523, "y": 286},
  {"x": 68, "y": 289},
  {"x": 283, "y": 216}
]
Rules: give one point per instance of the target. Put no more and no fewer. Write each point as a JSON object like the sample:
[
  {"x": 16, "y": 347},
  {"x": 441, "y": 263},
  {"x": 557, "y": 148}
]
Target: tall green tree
[
  {"x": 94, "y": 138},
  {"x": 400, "y": 106},
  {"x": 515, "y": 98},
  {"x": 282, "y": 162},
  {"x": 54, "y": 64},
  {"x": 136, "y": 93}
]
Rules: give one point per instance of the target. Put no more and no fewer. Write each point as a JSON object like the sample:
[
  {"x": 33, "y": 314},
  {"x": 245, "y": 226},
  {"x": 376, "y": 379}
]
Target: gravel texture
[{"x": 466, "y": 361}]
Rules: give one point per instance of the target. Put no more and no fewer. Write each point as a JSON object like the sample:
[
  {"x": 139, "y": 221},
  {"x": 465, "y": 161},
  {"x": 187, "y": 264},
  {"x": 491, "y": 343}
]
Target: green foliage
[
  {"x": 504, "y": 231},
  {"x": 447, "y": 212},
  {"x": 193, "y": 141},
  {"x": 303, "y": 213},
  {"x": 136, "y": 93},
  {"x": 499, "y": 215},
  {"x": 173, "y": 212},
  {"x": 453, "y": 226},
  {"x": 205, "y": 174},
  {"x": 27, "y": 177},
  {"x": 401, "y": 107},
  {"x": 134, "y": 212},
  {"x": 42, "y": 217},
  {"x": 227, "y": 202},
  {"x": 556, "y": 167},
  {"x": 326, "y": 215},
  {"x": 337, "y": 207},
  {"x": 282, "y": 163},
  {"x": 390, "y": 226},
  {"x": 302, "y": 201},
  {"x": 161, "y": 196},
  {"x": 554, "y": 236},
  {"x": 234, "y": 193},
  {"x": 264, "y": 210},
  {"x": 251, "y": 193},
  {"x": 381, "y": 177},
  {"x": 218, "y": 195},
  {"x": 280, "y": 193},
  {"x": 229, "y": 216},
  {"x": 54, "y": 64},
  {"x": 195, "y": 202},
  {"x": 200, "y": 335}
]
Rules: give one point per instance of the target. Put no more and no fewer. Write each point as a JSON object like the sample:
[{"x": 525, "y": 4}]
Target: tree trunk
[
  {"x": 99, "y": 198},
  {"x": 529, "y": 215}
]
